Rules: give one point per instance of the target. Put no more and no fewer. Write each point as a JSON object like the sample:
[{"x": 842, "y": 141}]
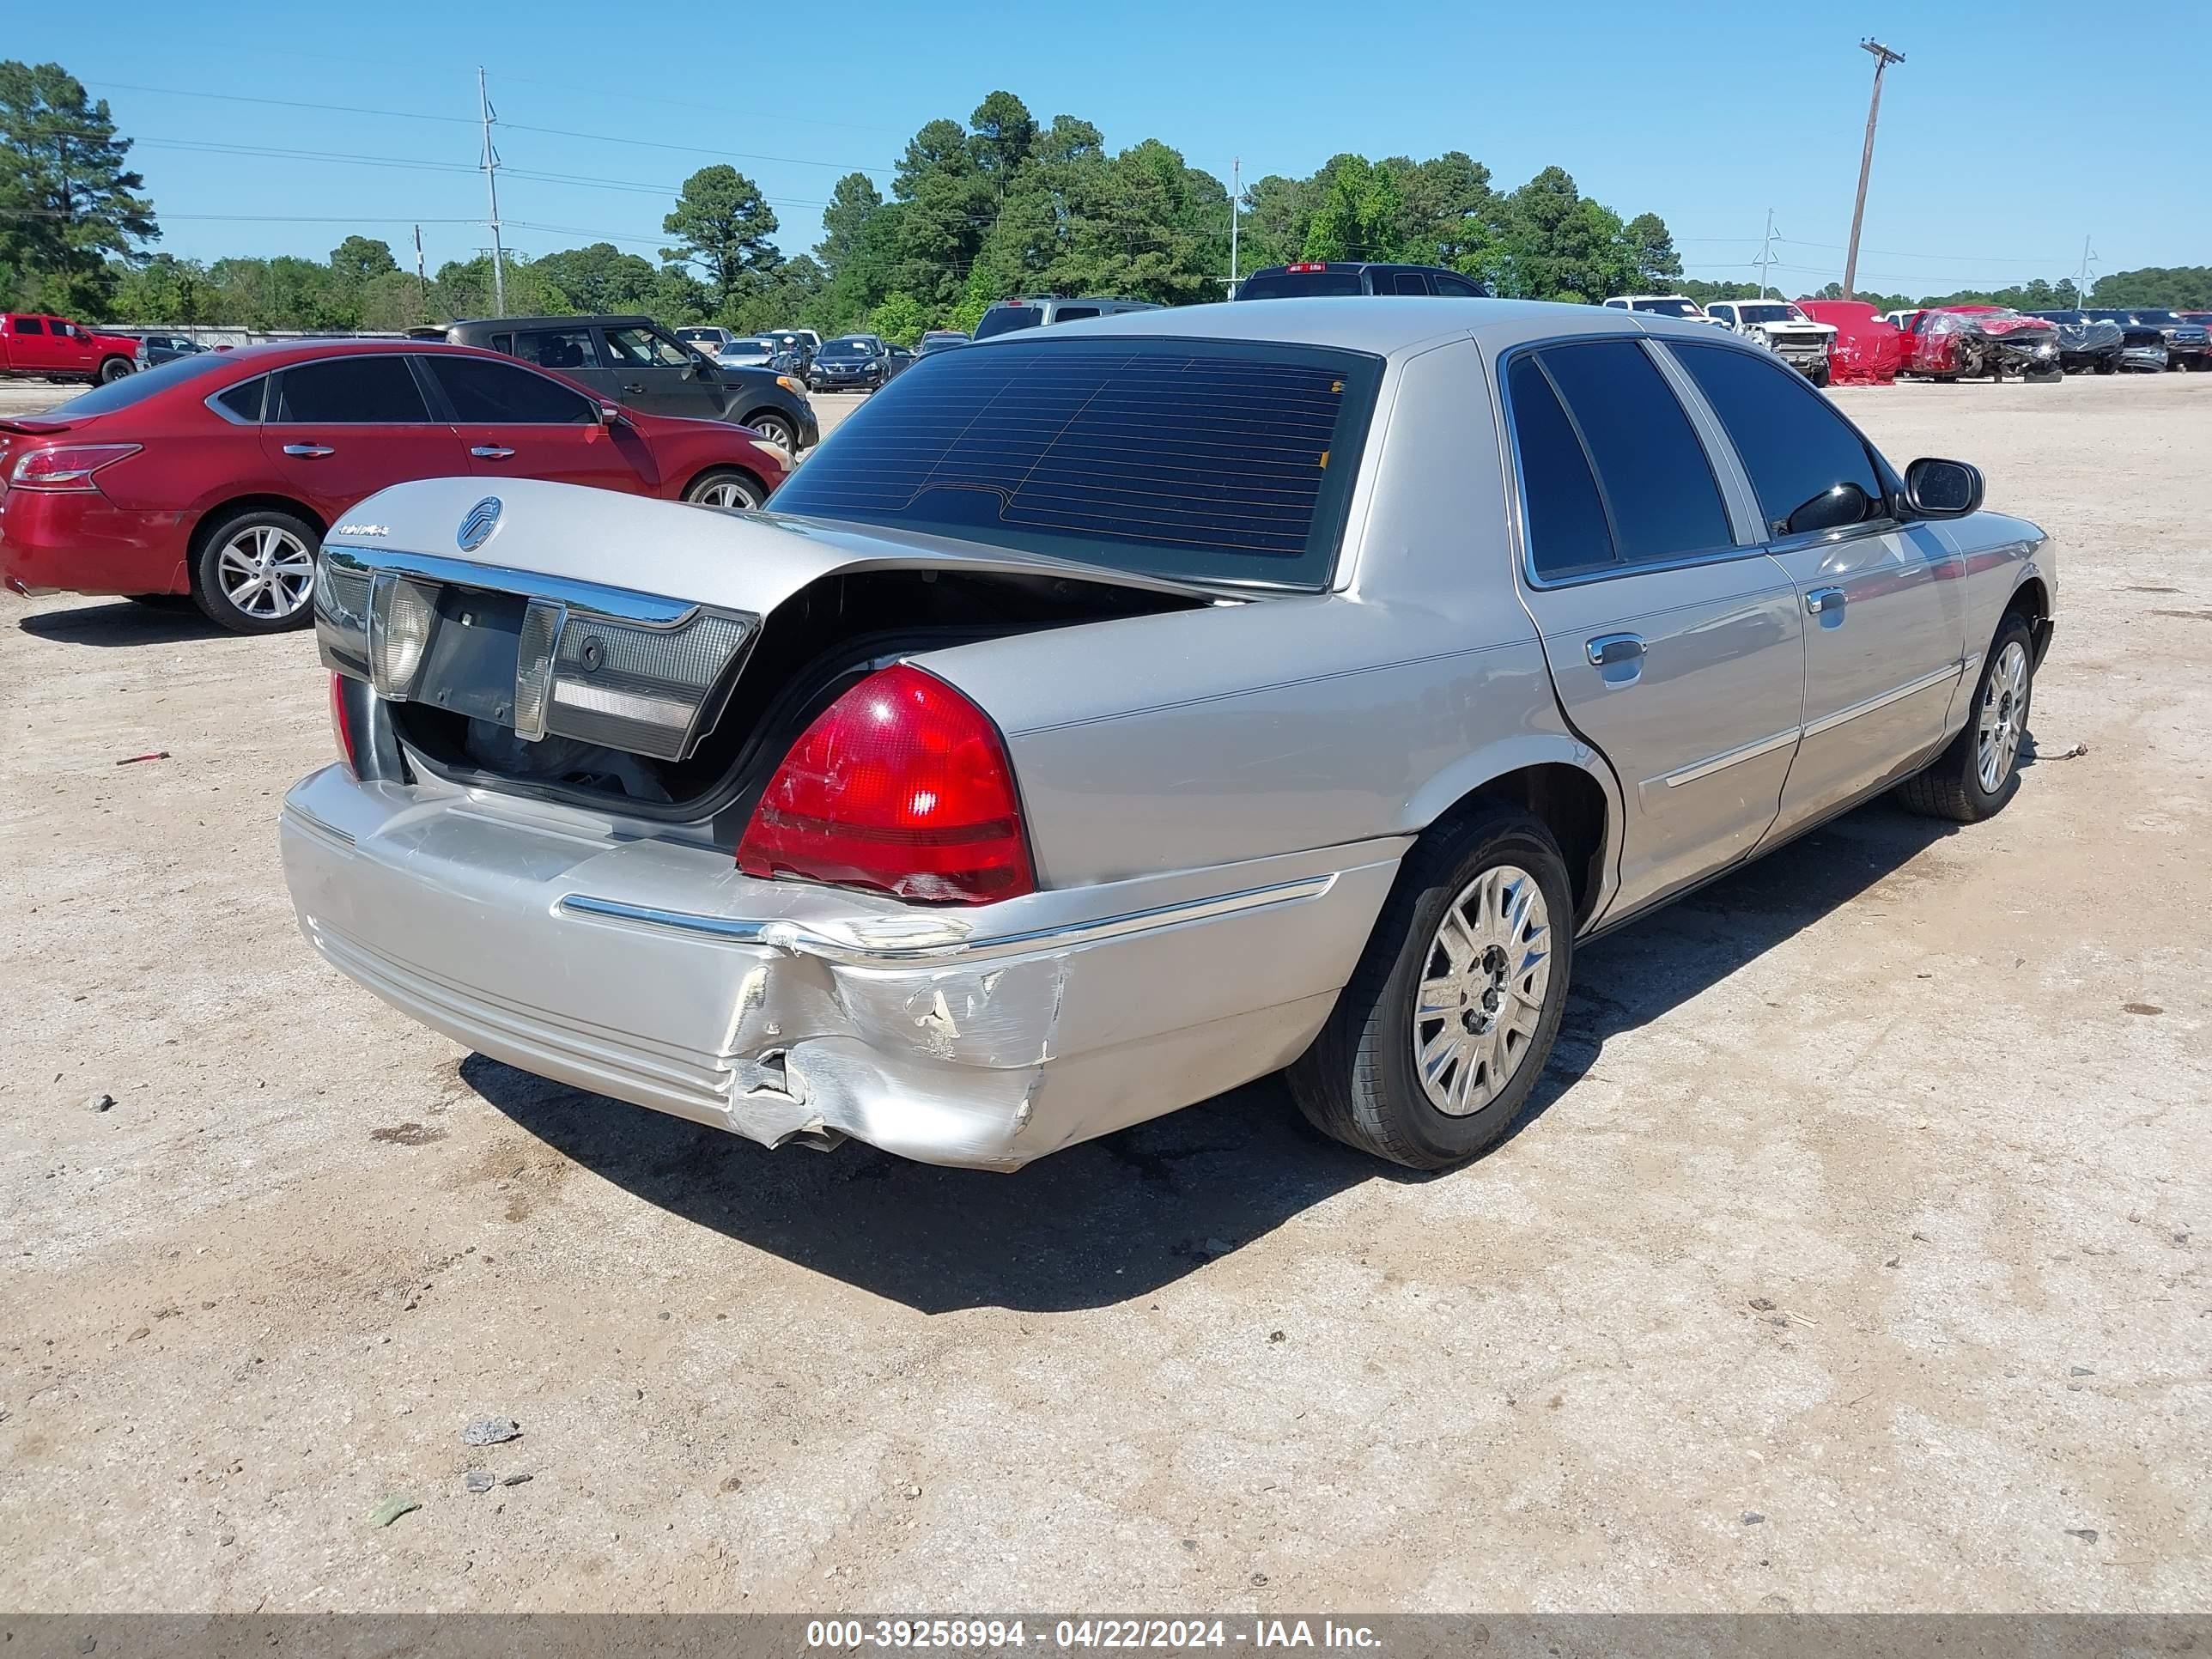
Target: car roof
[
  {"x": 604, "y": 319},
  {"x": 1385, "y": 324}
]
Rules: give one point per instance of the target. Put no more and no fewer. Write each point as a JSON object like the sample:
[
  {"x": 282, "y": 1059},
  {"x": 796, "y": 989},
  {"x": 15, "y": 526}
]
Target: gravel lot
[{"x": 1854, "y": 1261}]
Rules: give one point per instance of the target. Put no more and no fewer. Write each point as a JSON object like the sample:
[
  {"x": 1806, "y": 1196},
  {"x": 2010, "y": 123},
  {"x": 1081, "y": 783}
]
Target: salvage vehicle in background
[
  {"x": 34, "y": 345},
  {"x": 2188, "y": 345},
  {"x": 938, "y": 339},
  {"x": 217, "y": 475},
  {"x": 155, "y": 349},
  {"x": 1019, "y": 778},
  {"x": 2087, "y": 344},
  {"x": 1783, "y": 329},
  {"x": 746, "y": 353},
  {"x": 635, "y": 362},
  {"x": 707, "y": 340},
  {"x": 1868, "y": 349},
  {"x": 1958, "y": 343}
]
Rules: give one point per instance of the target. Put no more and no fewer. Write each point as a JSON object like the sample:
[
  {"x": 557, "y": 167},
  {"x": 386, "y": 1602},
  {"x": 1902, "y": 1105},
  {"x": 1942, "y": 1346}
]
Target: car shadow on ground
[
  {"x": 170, "y": 621},
  {"x": 1118, "y": 1217}
]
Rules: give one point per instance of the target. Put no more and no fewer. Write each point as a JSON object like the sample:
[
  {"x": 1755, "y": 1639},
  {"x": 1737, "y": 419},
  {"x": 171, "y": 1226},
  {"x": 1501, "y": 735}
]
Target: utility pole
[
  {"x": 2081, "y": 282},
  {"x": 1883, "y": 58},
  {"x": 491, "y": 187},
  {"x": 1236, "y": 185},
  {"x": 1766, "y": 260},
  {"x": 421, "y": 280}
]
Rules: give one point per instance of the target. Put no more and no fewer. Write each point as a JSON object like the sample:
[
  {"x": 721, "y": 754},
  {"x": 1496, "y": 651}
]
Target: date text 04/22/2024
[{"x": 1157, "y": 1635}]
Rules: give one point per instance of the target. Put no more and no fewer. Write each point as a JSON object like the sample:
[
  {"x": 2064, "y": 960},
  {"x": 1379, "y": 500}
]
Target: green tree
[
  {"x": 358, "y": 258},
  {"x": 1003, "y": 133},
  {"x": 1358, "y": 213},
  {"x": 1652, "y": 262},
  {"x": 71, "y": 204},
  {"x": 899, "y": 318},
  {"x": 724, "y": 225},
  {"x": 853, "y": 199},
  {"x": 598, "y": 278}
]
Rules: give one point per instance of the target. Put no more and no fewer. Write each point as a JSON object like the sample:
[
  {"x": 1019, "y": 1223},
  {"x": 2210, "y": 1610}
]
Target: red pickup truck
[{"x": 56, "y": 349}]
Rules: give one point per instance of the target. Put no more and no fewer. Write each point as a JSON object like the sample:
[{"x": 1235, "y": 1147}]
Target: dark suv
[
  {"x": 634, "y": 361},
  {"x": 1315, "y": 278}
]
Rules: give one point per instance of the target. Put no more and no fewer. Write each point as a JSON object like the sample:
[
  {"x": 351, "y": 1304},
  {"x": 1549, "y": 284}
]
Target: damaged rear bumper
[{"x": 659, "y": 975}]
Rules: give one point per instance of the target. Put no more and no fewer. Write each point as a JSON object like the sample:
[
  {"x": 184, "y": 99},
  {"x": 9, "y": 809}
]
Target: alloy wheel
[
  {"x": 266, "y": 572},
  {"x": 2002, "y": 718},
  {"x": 1482, "y": 990}
]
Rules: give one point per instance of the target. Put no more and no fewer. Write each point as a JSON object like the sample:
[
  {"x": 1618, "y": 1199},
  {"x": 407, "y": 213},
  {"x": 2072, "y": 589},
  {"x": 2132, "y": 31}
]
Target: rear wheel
[
  {"x": 255, "y": 571},
  {"x": 727, "y": 487},
  {"x": 1435, "y": 1046},
  {"x": 113, "y": 369}
]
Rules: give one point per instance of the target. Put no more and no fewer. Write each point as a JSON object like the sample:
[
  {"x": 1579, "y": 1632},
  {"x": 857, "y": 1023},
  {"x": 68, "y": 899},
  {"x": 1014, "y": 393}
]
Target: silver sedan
[{"x": 1109, "y": 715}]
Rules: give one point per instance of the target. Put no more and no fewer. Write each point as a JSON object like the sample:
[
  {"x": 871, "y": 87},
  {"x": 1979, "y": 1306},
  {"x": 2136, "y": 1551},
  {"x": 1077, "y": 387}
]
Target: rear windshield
[
  {"x": 147, "y": 383},
  {"x": 1224, "y": 461},
  {"x": 1005, "y": 319},
  {"x": 1300, "y": 284}
]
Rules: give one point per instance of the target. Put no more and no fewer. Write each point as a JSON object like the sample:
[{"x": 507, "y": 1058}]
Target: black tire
[
  {"x": 206, "y": 570},
  {"x": 775, "y": 426},
  {"x": 1950, "y": 786},
  {"x": 114, "y": 369},
  {"x": 1359, "y": 1082},
  {"x": 748, "y": 490},
  {"x": 2108, "y": 365},
  {"x": 1820, "y": 376}
]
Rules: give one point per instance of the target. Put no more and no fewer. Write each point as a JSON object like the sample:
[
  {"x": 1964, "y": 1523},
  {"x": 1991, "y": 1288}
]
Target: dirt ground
[{"x": 1855, "y": 1260}]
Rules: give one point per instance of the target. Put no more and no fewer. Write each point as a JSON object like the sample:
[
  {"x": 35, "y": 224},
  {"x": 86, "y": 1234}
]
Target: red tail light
[
  {"x": 66, "y": 466},
  {"x": 901, "y": 784},
  {"x": 1303, "y": 266},
  {"x": 341, "y": 724}
]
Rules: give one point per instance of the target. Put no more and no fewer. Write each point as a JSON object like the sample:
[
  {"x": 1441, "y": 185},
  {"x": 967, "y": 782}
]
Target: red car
[
  {"x": 217, "y": 475},
  {"x": 1953, "y": 343},
  {"x": 1868, "y": 349},
  {"x": 56, "y": 349}
]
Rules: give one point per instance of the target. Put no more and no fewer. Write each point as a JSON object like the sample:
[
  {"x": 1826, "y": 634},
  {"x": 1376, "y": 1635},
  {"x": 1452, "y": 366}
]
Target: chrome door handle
[
  {"x": 633, "y": 388},
  {"x": 1822, "y": 600},
  {"x": 1607, "y": 649},
  {"x": 309, "y": 451},
  {"x": 491, "y": 451}
]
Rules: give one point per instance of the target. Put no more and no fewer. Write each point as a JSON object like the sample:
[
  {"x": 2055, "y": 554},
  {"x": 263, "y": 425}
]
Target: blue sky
[{"x": 2002, "y": 142}]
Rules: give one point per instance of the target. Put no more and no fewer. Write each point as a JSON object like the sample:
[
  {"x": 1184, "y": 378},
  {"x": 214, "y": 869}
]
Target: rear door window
[
  {"x": 1802, "y": 457},
  {"x": 1457, "y": 287},
  {"x": 1074, "y": 313},
  {"x": 1409, "y": 282},
  {"x": 1658, "y": 487},
  {"x": 482, "y": 392},
  {"x": 377, "y": 390},
  {"x": 30, "y": 325},
  {"x": 1223, "y": 460},
  {"x": 1567, "y": 530}
]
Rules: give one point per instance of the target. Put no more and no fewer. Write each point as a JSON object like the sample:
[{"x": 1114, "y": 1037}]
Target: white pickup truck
[{"x": 1800, "y": 341}]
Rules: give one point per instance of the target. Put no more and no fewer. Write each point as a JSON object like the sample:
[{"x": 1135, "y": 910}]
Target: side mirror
[
  {"x": 1943, "y": 489},
  {"x": 609, "y": 413}
]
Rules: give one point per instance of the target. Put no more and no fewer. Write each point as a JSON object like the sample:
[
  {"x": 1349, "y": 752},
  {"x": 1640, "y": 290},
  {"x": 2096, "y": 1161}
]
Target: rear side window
[
  {"x": 1458, "y": 288},
  {"x": 243, "y": 399},
  {"x": 1408, "y": 281},
  {"x": 365, "y": 390},
  {"x": 1005, "y": 319},
  {"x": 137, "y": 388},
  {"x": 1658, "y": 487},
  {"x": 556, "y": 348},
  {"x": 1225, "y": 461},
  {"x": 1799, "y": 452},
  {"x": 29, "y": 325},
  {"x": 481, "y": 391},
  {"x": 1074, "y": 313},
  {"x": 1567, "y": 532}
]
